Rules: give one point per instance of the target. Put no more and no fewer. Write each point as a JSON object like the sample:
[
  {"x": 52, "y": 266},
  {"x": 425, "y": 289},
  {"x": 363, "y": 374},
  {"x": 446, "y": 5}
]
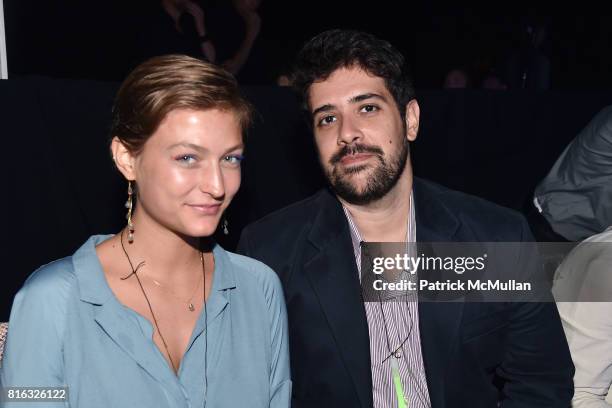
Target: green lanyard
[{"x": 402, "y": 402}]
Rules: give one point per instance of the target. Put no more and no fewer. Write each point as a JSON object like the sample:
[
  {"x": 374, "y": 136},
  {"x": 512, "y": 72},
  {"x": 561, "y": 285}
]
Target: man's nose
[{"x": 349, "y": 131}]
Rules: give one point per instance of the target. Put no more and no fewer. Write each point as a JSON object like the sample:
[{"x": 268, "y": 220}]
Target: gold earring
[{"x": 128, "y": 205}]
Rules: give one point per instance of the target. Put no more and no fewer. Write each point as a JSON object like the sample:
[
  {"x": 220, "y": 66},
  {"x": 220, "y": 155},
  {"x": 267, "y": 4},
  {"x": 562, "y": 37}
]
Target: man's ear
[
  {"x": 123, "y": 158},
  {"x": 412, "y": 120}
]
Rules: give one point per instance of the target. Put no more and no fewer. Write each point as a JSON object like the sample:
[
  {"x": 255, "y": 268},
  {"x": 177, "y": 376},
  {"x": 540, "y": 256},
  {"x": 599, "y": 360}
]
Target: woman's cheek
[
  {"x": 232, "y": 182},
  {"x": 180, "y": 178}
]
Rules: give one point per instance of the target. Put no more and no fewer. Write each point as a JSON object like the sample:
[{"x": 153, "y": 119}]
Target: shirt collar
[
  {"x": 356, "y": 238},
  {"x": 94, "y": 287}
]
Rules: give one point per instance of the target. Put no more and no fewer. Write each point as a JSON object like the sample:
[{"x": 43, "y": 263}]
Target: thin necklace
[
  {"x": 134, "y": 272},
  {"x": 188, "y": 302}
]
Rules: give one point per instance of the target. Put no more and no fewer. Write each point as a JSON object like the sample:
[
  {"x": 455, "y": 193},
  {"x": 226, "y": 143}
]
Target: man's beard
[{"x": 380, "y": 181}]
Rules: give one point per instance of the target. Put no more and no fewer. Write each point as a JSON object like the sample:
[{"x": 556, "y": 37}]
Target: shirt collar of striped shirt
[{"x": 356, "y": 238}]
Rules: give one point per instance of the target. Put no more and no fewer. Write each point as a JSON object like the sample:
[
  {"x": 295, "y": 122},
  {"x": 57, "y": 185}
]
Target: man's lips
[
  {"x": 355, "y": 158},
  {"x": 206, "y": 209}
]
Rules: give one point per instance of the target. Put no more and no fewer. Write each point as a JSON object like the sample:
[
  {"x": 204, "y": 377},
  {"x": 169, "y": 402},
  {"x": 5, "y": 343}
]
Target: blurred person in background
[
  {"x": 189, "y": 22},
  {"x": 247, "y": 10},
  {"x": 457, "y": 78},
  {"x": 575, "y": 198},
  {"x": 583, "y": 290}
]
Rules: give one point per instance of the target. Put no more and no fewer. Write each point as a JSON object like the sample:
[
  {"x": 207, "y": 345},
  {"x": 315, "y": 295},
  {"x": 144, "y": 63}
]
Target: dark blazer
[{"x": 475, "y": 354}]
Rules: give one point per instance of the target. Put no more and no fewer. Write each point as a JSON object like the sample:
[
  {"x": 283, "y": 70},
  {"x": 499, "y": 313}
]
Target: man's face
[{"x": 360, "y": 135}]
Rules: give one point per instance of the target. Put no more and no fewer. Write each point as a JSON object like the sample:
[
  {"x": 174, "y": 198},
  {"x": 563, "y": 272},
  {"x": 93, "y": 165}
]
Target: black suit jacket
[{"x": 475, "y": 354}]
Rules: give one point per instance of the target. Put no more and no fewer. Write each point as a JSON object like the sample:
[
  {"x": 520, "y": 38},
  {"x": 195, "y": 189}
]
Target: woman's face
[{"x": 189, "y": 171}]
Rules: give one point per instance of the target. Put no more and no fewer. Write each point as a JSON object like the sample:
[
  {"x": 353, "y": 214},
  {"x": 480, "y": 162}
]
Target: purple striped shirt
[{"x": 402, "y": 321}]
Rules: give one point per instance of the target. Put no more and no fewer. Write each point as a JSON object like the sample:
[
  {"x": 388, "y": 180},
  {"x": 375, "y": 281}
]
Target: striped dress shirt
[{"x": 390, "y": 323}]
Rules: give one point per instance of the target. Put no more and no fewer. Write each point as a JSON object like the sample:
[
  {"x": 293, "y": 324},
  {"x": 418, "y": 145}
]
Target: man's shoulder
[
  {"x": 494, "y": 220},
  {"x": 292, "y": 216},
  {"x": 274, "y": 236}
]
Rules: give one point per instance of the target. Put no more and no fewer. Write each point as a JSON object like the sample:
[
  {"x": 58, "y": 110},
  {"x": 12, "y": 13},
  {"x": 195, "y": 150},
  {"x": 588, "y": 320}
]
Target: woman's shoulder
[
  {"x": 250, "y": 266},
  {"x": 43, "y": 301},
  {"x": 254, "y": 273},
  {"x": 259, "y": 287},
  {"x": 51, "y": 282},
  {"x": 55, "y": 275},
  {"x": 62, "y": 273}
]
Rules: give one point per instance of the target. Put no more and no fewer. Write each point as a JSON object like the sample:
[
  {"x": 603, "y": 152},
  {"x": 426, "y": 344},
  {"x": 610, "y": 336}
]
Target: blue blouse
[{"x": 67, "y": 328}]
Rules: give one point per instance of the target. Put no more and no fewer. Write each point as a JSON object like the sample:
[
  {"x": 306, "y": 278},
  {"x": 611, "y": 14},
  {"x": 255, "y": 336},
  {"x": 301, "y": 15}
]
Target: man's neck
[{"x": 385, "y": 220}]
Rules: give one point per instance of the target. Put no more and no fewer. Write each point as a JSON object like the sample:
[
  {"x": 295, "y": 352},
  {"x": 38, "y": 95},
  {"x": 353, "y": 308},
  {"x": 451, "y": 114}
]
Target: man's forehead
[{"x": 344, "y": 85}]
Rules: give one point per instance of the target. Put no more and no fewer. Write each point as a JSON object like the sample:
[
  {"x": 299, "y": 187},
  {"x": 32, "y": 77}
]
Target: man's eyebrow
[
  {"x": 366, "y": 96},
  {"x": 354, "y": 99},
  {"x": 324, "y": 108}
]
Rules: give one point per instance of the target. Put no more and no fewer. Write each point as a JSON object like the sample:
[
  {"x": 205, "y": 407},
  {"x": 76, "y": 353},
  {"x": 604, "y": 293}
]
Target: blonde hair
[{"x": 163, "y": 84}]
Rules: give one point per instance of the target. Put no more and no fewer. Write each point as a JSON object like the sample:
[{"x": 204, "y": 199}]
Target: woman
[{"x": 159, "y": 315}]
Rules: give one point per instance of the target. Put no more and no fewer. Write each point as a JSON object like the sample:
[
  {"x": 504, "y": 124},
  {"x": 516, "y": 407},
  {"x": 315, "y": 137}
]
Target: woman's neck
[{"x": 167, "y": 255}]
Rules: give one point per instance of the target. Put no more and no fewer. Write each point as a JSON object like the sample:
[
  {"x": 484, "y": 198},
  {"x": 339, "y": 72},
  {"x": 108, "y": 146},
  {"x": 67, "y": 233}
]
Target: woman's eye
[
  {"x": 326, "y": 120},
  {"x": 369, "y": 108},
  {"x": 186, "y": 159},
  {"x": 233, "y": 158}
]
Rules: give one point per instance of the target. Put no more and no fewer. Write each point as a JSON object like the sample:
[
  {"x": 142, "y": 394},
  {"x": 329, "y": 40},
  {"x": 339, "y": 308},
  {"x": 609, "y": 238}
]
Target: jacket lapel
[
  {"x": 334, "y": 277},
  {"x": 333, "y": 274},
  {"x": 439, "y": 322}
]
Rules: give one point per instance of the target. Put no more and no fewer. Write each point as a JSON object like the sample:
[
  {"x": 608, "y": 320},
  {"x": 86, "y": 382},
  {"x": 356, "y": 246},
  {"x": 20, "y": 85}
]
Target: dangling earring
[
  {"x": 225, "y": 229},
  {"x": 128, "y": 205}
]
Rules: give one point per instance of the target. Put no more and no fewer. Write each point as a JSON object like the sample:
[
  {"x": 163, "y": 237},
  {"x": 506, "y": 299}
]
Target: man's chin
[
  {"x": 353, "y": 184},
  {"x": 351, "y": 172},
  {"x": 351, "y": 192},
  {"x": 355, "y": 170}
]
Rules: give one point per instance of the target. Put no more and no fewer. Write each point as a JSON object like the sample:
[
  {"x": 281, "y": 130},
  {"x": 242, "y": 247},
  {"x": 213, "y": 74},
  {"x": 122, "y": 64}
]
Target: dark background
[
  {"x": 104, "y": 39},
  {"x": 65, "y": 61}
]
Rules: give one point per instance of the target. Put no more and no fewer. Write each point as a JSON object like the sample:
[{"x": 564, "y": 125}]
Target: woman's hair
[{"x": 163, "y": 84}]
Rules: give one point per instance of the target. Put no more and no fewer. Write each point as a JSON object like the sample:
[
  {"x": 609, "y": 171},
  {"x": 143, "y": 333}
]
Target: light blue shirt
[{"x": 67, "y": 328}]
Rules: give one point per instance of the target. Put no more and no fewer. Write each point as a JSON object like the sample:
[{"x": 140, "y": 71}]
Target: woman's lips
[{"x": 206, "y": 209}]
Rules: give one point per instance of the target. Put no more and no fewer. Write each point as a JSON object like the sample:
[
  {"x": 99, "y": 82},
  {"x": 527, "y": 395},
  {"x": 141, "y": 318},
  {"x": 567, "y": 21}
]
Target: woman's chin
[{"x": 201, "y": 231}]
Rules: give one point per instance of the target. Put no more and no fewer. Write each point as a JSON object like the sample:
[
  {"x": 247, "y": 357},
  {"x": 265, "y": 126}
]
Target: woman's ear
[{"x": 123, "y": 158}]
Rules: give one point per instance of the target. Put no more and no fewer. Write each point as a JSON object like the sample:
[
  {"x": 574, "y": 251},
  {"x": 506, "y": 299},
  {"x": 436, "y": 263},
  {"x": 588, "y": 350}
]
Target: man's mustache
[{"x": 354, "y": 149}]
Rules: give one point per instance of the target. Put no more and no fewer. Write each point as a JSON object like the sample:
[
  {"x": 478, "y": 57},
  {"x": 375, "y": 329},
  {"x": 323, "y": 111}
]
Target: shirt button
[{"x": 398, "y": 354}]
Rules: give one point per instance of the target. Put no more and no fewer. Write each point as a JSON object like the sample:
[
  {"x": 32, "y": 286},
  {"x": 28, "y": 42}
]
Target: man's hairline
[{"x": 307, "y": 105}]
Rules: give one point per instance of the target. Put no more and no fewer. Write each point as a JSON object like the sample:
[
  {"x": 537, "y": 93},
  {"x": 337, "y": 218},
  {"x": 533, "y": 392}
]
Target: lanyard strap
[{"x": 402, "y": 402}]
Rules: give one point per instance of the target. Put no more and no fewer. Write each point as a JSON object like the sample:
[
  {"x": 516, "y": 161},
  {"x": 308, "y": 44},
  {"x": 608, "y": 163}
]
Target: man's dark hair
[{"x": 334, "y": 49}]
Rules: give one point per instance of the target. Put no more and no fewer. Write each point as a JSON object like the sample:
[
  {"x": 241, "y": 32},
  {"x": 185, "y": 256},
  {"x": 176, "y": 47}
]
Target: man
[
  {"x": 575, "y": 198},
  {"x": 344, "y": 352}
]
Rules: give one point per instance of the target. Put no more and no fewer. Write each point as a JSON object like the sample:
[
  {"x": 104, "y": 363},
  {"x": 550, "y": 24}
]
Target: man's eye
[
  {"x": 369, "y": 108},
  {"x": 326, "y": 120}
]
